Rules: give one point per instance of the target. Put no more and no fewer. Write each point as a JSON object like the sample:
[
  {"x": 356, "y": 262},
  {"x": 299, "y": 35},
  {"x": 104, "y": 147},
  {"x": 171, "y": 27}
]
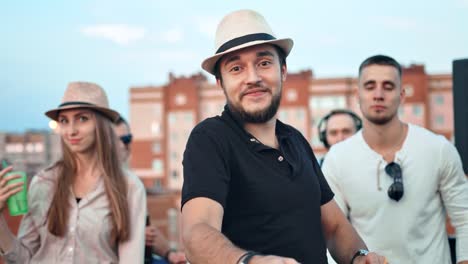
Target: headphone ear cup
[
  {"x": 358, "y": 123},
  {"x": 323, "y": 138}
]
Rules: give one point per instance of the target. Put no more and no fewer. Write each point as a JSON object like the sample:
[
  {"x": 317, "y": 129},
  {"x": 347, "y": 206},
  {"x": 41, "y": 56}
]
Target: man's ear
[
  {"x": 402, "y": 95},
  {"x": 284, "y": 72},
  {"x": 219, "y": 83}
]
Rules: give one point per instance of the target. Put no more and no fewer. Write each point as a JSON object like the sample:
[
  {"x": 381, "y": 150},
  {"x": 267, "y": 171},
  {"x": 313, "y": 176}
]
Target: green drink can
[{"x": 18, "y": 202}]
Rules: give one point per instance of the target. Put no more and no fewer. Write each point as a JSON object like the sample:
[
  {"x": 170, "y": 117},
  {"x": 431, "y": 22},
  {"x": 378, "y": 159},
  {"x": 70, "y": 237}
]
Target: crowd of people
[{"x": 254, "y": 191}]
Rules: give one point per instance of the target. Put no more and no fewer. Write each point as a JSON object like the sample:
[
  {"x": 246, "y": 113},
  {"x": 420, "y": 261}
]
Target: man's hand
[
  {"x": 270, "y": 259},
  {"x": 150, "y": 235},
  {"x": 176, "y": 257},
  {"x": 371, "y": 258}
]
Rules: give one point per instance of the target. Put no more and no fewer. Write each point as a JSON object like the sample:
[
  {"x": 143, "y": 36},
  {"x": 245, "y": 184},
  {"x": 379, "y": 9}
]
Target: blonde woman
[{"x": 84, "y": 208}]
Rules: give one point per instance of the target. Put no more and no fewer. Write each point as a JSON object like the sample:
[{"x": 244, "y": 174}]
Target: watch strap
[
  {"x": 245, "y": 258},
  {"x": 360, "y": 252}
]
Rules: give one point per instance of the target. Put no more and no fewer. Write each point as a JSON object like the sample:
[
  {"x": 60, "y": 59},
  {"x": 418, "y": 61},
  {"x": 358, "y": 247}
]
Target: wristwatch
[
  {"x": 360, "y": 252},
  {"x": 244, "y": 259}
]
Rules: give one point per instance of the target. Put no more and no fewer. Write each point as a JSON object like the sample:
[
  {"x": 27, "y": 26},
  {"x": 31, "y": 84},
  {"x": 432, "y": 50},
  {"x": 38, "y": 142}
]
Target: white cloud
[
  {"x": 207, "y": 25},
  {"x": 172, "y": 36},
  {"x": 119, "y": 33},
  {"x": 398, "y": 23},
  {"x": 328, "y": 40},
  {"x": 410, "y": 25},
  {"x": 177, "y": 55},
  {"x": 463, "y": 3}
]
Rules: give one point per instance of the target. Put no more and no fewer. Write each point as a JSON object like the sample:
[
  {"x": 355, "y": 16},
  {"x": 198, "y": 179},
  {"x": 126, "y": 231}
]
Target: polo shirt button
[
  {"x": 252, "y": 140},
  {"x": 280, "y": 158}
]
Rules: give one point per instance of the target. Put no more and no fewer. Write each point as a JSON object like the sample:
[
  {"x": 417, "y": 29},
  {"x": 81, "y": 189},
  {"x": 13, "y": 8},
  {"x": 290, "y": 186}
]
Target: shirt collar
[{"x": 282, "y": 130}]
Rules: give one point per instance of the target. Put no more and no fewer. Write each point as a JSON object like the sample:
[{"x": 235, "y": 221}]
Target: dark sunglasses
[
  {"x": 396, "y": 190},
  {"x": 126, "y": 139}
]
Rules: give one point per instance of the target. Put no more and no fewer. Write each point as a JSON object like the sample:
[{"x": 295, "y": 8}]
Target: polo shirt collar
[{"x": 282, "y": 130}]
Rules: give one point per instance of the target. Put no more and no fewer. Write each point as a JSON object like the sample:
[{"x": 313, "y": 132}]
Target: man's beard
[{"x": 257, "y": 117}]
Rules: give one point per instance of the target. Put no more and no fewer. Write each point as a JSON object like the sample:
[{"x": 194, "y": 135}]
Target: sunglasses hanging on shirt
[
  {"x": 126, "y": 139},
  {"x": 396, "y": 190}
]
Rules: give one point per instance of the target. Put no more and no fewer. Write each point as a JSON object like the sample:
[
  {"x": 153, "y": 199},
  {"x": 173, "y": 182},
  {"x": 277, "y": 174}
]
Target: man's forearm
[
  {"x": 344, "y": 243},
  {"x": 204, "y": 245}
]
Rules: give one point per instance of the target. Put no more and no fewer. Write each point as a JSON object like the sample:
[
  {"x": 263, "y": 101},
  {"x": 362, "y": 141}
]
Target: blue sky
[{"x": 118, "y": 44}]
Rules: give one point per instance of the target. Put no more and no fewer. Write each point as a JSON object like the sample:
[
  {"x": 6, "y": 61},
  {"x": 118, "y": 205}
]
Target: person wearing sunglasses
[
  {"x": 396, "y": 181},
  {"x": 154, "y": 239}
]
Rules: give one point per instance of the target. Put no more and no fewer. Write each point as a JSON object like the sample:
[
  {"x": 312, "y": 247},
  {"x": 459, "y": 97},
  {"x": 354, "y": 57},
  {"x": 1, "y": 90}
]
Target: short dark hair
[
  {"x": 380, "y": 60},
  {"x": 323, "y": 124},
  {"x": 122, "y": 120},
  {"x": 281, "y": 56}
]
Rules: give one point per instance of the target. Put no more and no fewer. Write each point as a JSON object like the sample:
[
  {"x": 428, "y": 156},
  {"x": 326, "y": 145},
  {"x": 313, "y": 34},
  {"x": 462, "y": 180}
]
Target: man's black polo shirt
[{"x": 271, "y": 198}]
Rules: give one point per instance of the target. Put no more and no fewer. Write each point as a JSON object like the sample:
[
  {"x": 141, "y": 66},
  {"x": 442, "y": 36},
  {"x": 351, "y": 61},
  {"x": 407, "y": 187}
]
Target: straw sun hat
[
  {"x": 84, "y": 95},
  {"x": 242, "y": 29}
]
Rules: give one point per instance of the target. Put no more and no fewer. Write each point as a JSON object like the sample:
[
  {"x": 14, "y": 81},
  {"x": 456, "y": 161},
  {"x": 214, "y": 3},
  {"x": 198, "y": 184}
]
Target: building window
[
  {"x": 189, "y": 118},
  {"x": 157, "y": 183},
  {"x": 300, "y": 115},
  {"x": 327, "y": 102},
  {"x": 173, "y": 225},
  {"x": 315, "y": 141},
  {"x": 417, "y": 110},
  {"x": 314, "y": 121},
  {"x": 158, "y": 166},
  {"x": 439, "y": 99},
  {"x": 157, "y": 110},
  {"x": 180, "y": 99},
  {"x": 174, "y": 137},
  {"x": 401, "y": 112},
  {"x": 14, "y": 148},
  {"x": 155, "y": 128},
  {"x": 175, "y": 174},
  {"x": 291, "y": 95},
  {"x": 283, "y": 115},
  {"x": 440, "y": 120},
  {"x": 29, "y": 147},
  {"x": 409, "y": 90},
  {"x": 156, "y": 147},
  {"x": 39, "y": 147},
  {"x": 172, "y": 118}
]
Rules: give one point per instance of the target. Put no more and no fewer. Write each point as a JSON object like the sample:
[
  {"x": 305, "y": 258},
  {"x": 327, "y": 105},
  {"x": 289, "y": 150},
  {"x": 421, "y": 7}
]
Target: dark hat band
[
  {"x": 76, "y": 103},
  {"x": 244, "y": 39}
]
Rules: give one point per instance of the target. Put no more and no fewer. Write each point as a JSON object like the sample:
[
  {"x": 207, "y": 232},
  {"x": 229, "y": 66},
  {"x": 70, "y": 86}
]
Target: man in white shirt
[{"x": 397, "y": 181}]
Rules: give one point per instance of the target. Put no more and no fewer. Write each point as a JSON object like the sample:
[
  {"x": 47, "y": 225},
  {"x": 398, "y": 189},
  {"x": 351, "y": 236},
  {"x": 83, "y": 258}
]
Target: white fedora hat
[
  {"x": 84, "y": 95},
  {"x": 241, "y": 29}
]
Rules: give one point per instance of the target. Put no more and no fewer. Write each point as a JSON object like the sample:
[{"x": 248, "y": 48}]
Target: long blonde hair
[{"x": 115, "y": 183}]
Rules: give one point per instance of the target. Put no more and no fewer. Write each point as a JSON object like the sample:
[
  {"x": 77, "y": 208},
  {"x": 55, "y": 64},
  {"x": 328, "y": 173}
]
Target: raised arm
[
  {"x": 201, "y": 233},
  {"x": 342, "y": 239},
  {"x": 204, "y": 242},
  {"x": 21, "y": 249},
  {"x": 7, "y": 239}
]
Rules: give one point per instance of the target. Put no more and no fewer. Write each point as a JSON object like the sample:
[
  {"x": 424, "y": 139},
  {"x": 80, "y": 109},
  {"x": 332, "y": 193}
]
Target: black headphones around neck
[{"x": 322, "y": 125}]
